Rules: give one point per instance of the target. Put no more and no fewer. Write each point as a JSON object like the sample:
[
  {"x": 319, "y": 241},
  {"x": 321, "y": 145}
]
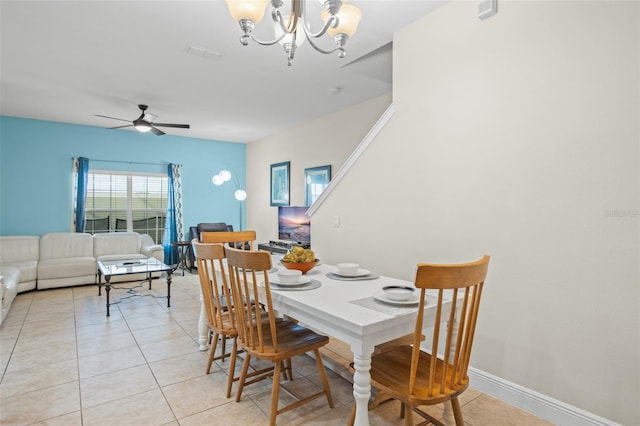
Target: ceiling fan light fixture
[
  {"x": 142, "y": 126},
  {"x": 146, "y": 123}
]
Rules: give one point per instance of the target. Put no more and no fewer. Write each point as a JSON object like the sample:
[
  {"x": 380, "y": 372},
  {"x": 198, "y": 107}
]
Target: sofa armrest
[{"x": 151, "y": 249}]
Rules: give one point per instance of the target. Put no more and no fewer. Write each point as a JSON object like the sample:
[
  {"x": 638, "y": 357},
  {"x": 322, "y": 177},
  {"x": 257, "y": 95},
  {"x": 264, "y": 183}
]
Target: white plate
[
  {"x": 301, "y": 281},
  {"x": 381, "y": 297},
  {"x": 359, "y": 273}
]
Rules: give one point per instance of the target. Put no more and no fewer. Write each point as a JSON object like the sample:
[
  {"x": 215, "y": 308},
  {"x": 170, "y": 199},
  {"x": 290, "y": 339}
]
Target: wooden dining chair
[
  {"x": 273, "y": 340},
  {"x": 416, "y": 377},
  {"x": 237, "y": 239},
  {"x": 218, "y": 299}
]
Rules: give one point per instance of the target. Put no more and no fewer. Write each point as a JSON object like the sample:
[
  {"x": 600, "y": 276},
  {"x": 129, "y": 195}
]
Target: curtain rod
[{"x": 126, "y": 162}]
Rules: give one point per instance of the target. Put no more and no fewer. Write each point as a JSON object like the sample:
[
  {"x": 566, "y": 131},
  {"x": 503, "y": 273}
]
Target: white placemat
[
  {"x": 371, "y": 303},
  {"x": 369, "y": 276},
  {"x": 309, "y": 286}
]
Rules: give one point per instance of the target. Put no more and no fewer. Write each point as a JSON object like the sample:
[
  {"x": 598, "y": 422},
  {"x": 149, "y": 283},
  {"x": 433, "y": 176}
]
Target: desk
[{"x": 328, "y": 310}]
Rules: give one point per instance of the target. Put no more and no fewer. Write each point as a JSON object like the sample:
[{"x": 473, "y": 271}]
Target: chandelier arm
[
  {"x": 265, "y": 43},
  {"x": 323, "y": 30},
  {"x": 277, "y": 18},
  {"x": 296, "y": 12},
  {"x": 327, "y": 52}
]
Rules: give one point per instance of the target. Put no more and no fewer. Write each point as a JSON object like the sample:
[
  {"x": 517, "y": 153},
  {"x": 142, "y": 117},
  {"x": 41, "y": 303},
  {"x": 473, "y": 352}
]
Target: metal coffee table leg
[
  {"x": 107, "y": 287},
  {"x": 169, "y": 289}
]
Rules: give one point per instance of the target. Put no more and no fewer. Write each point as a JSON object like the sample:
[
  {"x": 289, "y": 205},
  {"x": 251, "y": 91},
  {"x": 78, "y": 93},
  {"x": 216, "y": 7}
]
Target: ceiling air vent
[{"x": 204, "y": 53}]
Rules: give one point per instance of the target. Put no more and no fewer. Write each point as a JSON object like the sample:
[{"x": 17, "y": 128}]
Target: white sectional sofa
[{"x": 63, "y": 259}]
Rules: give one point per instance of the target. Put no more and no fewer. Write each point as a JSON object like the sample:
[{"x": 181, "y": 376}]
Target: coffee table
[{"x": 146, "y": 266}]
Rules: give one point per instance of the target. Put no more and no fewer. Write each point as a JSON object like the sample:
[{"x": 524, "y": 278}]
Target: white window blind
[{"x": 119, "y": 202}]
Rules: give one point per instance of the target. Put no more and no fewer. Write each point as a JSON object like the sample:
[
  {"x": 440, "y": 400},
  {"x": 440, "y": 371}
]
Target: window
[{"x": 119, "y": 202}]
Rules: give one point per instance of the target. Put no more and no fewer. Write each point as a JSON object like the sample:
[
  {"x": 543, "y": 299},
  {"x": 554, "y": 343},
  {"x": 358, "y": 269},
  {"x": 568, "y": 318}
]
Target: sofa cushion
[
  {"x": 19, "y": 249},
  {"x": 9, "y": 278},
  {"x": 21, "y": 252},
  {"x": 118, "y": 243},
  {"x": 66, "y": 267},
  {"x": 28, "y": 269},
  {"x": 59, "y": 245},
  {"x": 122, "y": 256}
]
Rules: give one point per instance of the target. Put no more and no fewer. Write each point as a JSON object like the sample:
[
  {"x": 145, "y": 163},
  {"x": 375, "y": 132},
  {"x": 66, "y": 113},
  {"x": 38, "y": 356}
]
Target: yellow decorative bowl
[{"x": 302, "y": 267}]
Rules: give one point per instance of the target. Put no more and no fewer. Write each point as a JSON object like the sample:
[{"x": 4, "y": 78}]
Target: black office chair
[{"x": 194, "y": 232}]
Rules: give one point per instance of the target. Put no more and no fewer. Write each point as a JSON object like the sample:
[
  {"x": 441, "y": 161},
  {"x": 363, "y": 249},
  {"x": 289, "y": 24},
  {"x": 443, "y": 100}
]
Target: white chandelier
[{"x": 340, "y": 21}]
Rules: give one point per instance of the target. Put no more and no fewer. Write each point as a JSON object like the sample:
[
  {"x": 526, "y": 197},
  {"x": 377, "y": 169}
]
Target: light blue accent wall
[{"x": 36, "y": 171}]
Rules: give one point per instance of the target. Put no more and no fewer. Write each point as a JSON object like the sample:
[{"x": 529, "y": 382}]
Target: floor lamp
[{"x": 240, "y": 194}]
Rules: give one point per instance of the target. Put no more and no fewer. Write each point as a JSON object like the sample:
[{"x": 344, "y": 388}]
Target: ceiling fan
[{"x": 145, "y": 123}]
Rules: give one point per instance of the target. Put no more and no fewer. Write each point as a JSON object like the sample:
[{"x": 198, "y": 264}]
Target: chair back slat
[
  {"x": 448, "y": 344},
  {"x": 461, "y": 286},
  {"x": 474, "y": 307},
  {"x": 236, "y": 239},
  {"x": 435, "y": 339},
  {"x": 417, "y": 337},
  {"x": 248, "y": 269}
]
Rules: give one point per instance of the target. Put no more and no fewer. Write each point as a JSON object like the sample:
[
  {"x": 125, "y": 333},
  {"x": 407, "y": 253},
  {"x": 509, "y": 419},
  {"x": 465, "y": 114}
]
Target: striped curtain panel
[
  {"x": 174, "y": 225},
  {"x": 81, "y": 170}
]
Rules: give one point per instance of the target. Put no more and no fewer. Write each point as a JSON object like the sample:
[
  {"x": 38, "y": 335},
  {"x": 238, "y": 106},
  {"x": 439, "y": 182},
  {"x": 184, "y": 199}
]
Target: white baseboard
[{"x": 540, "y": 405}]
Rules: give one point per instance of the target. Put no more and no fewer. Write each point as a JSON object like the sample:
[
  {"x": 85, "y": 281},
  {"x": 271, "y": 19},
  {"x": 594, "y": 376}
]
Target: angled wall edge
[{"x": 353, "y": 158}]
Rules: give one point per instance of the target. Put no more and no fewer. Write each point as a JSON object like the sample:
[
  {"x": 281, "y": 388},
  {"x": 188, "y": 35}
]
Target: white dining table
[{"x": 330, "y": 309}]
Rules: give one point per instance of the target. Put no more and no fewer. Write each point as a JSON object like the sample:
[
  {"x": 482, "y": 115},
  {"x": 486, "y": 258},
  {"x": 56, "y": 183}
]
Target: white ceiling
[{"x": 68, "y": 60}]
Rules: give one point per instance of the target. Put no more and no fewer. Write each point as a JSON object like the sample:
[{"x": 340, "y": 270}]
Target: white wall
[
  {"x": 328, "y": 141},
  {"x": 519, "y": 137}
]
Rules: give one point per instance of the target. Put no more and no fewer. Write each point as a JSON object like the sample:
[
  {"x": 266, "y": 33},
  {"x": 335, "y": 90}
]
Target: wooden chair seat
[
  {"x": 292, "y": 340},
  {"x": 390, "y": 370}
]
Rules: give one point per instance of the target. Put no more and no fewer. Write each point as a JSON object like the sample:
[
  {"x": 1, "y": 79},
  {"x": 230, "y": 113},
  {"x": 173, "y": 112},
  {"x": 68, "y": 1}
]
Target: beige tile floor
[{"x": 62, "y": 362}]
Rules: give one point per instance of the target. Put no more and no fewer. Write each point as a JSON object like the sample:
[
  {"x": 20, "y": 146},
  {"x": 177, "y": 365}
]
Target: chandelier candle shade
[{"x": 340, "y": 21}]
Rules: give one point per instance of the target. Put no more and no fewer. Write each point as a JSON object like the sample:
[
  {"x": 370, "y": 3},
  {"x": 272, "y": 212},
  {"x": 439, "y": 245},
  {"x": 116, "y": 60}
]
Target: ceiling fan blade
[
  {"x": 120, "y": 127},
  {"x": 113, "y": 118},
  {"x": 179, "y": 126},
  {"x": 157, "y": 131}
]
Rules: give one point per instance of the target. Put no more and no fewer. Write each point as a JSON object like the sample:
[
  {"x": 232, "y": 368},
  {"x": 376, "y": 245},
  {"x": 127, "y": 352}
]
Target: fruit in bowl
[{"x": 300, "y": 259}]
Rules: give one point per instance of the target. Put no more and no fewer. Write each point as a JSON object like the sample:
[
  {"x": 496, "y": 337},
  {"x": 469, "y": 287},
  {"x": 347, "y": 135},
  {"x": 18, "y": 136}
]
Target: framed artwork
[
  {"x": 280, "y": 184},
  {"x": 316, "y": 180}
]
